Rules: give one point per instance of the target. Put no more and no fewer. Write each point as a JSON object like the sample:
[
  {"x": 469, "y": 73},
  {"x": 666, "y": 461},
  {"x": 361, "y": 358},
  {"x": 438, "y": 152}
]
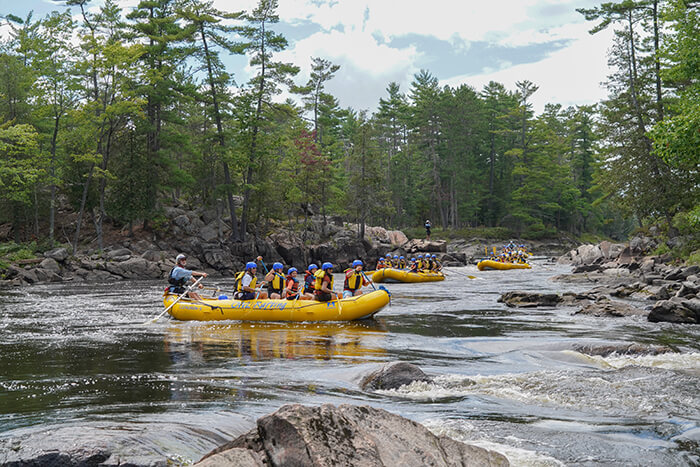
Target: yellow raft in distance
[
  {"x": 401, "y": 275},
  {"x": 210, "y": 309},
  {"x": 489, "y": 264}
]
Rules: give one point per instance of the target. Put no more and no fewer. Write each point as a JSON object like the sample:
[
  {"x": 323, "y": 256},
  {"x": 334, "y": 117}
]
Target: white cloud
[{"x": 570, "y": 76}]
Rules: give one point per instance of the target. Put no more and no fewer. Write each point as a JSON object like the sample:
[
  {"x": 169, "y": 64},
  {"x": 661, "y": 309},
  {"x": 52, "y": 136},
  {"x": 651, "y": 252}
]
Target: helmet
[
  {"x": 312, "y": 266},
  {"x": 291, "y": 270},
  {"x": 277, "y": 266},
  {"x": 250, "y": 265},
  {"x": 396, "y": 256},
  {"x": 433, "y": 256},
  {"x": 356, "y": 263},
  {"x": 420, "y": 256},
  {"x": 180, "y": 257},
  {"x": 326, "y": 265},
  {"x": 381, "y": 258},
  {"x": 413, "y": 259},
  {"x": 402, "y": 258}
]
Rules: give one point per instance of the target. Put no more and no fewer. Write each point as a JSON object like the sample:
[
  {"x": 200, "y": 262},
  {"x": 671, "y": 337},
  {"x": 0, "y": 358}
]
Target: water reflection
[{"x": 355, "y": 342}]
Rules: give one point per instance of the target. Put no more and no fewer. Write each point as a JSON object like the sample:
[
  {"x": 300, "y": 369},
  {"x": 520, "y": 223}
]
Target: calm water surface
[{"x": 78, "y": 367}]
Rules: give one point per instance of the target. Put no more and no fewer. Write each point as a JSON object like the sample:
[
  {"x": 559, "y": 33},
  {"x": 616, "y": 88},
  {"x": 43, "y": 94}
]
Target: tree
[
  {"x": 208, "y": 25},
  {"x": 270, "y": 75}
]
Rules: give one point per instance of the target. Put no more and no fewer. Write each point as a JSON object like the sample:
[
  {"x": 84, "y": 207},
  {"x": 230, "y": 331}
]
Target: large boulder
[
  {"x": 393, "y": 376},
  {"x": 119, "y": 254},
  {"x": 349, "y": 435},
  {"x": 420, "y": 245},
  {"x": 676, "y": 310},
  {"x": 50, "y": 264},
  {"x": 397, "y": 238},
  {"x": 58, "y": 254},
  {"x": 522, "y": 299}
]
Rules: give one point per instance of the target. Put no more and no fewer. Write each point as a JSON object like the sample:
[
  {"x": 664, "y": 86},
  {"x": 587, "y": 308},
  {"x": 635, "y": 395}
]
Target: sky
[{"x": 468, "y": 42}]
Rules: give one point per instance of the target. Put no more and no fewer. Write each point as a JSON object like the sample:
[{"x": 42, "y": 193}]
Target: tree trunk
[
  {"x": 657, "y": 62},
  {"x": 235, "y": 236}
]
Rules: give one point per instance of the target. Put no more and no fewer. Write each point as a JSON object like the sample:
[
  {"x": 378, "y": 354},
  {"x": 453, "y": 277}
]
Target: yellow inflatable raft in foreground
[
  {"x": 489, "y": 264},
  {"x": 400, "y": 275},
  {"x": 347, "y": 309}
]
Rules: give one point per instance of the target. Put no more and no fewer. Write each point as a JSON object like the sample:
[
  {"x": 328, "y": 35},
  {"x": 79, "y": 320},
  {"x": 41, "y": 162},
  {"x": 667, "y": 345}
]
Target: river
[{"x": 81, "y": 365}]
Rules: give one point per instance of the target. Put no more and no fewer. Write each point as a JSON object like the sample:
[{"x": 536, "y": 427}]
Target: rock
[
  {"x": 349, "y": 435},
  {"x": 58, "y": 254},
  {"x": 397, "y": 238},
  {"x": 585, "y": 268},
  {"x": 522, "y": 299},
  {"x": 378, "y": 234},
  {"x": 28, "y": 275},
  {"x": 217, "y": 258},
  {"x": 210, "y": 232},
  {"x": 77, "y": 457},
  {"x": 642, "y": 245},
  {"x": 647, "y": 266},
  {"x": 134, "y": 268},
  {"x": 617, "y": 272},
  {"x": 622, "y": 349},
  {"x": 290, "y": 247},
  {"x": 119, "y": 254},
  {"x": 393, "y": 376},
  {"x": 687, "y": 289},
  {"x": 420, "y": 245},
  {"x": 675, "y": 311},
  {"x": 172, "y": 212},
  {"x": 153, "y": 255},
  {"x": 237, "y": 457},
  {"x": 611, "y": 250},
  {"x": 587, "y": 254},
  {"x": 606, "y": 307},
  {"x": 50, "y": 264}
]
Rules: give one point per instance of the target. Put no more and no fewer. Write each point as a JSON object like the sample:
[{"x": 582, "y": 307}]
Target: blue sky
[{"x": 471, "y": 42}]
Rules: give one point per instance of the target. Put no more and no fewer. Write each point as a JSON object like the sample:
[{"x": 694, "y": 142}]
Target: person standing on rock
[
  {"x": 179, "y": 276},
  {"x": 323, "y": 287},
  {"x": 428, "y": 225},
  {"x": 354, "y": 280}
]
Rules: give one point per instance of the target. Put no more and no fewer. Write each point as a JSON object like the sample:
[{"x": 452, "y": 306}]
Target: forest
[{"x": 116, "y": 113}]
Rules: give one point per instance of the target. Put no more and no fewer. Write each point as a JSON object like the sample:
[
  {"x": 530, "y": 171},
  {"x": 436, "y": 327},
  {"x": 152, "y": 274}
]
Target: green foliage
[{"x": 12, "y": 252}]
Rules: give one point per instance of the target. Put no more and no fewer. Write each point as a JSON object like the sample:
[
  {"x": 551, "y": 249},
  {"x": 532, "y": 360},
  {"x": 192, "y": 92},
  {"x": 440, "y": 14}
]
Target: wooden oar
[{"x": 187, "y": 290}]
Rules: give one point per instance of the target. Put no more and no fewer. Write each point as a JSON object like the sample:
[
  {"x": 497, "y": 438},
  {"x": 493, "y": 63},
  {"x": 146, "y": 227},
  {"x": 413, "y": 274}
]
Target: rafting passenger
[
  {"x": 438, "y": 264},
  {"x": 309, "y": 278},
  {"x": 402, "y": 262},
  {"x": 179, "y": 276},
  {"x": 323, "y": 286},
  {"x": 354, "y": 280},
  {"x": 395, "y": 262},
  {"x": 380, "y": 263},
  {"x": 421, "y": 263},
  {"x": 413, "y": 266},
  {"x": 276, "y": 281},
  {"x": 245, "y": 283},
  {"x": 292, "y": 288}
]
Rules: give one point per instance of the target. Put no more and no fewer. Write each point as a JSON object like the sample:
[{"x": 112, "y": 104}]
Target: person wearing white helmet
[
  {"x": 428, "y": 225},
  {"x": 179, "y": 276}
]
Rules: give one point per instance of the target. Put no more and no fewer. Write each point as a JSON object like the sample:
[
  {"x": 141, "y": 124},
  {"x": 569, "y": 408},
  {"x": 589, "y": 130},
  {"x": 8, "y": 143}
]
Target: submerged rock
[
  {"x": 622, "y": 349},
  {"x": 606, "y": 307},
  {"x": 346, "y": 435},
  {"x": 529, "y": 299},
  {"x": 393, "y": 376}
]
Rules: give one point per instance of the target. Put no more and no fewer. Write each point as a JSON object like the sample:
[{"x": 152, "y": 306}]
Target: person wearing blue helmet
[
  {"x": 293, "y": 291},
  {"x": 245, "y": 283},
  {"x": 354, "y": 280},
  {"x": 323, "y": 286},
  {"x": 437, "y": 264},
  {"x": 420, "y": 263},
  {"x": 309, "y": 278},
  {"x": 402, "y": 262},
  {"x": 395, "y": 262},
  {"x": 413, "y": 267},
  {"x": 380, "y": 263},
  {"x": 276, "y": 281}
]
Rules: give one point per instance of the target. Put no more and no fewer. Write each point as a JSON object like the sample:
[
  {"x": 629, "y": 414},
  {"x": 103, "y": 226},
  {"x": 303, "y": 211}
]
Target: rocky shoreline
[{"x": 623, "y": 272}]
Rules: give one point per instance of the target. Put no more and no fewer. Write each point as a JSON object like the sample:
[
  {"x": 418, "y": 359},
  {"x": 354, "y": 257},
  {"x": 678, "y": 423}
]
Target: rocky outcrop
[
  {"x": 419, "y": 245},
  {"x": 596, "y": 302},
  {"x": 202, "y": 236},
  {"x": 393, "y": 376},
  {"x": 346, "y": 435},
  {"x": 605, "y": 307}
]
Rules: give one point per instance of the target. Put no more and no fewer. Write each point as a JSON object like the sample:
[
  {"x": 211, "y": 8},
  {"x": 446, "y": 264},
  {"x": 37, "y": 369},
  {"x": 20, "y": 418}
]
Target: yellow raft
[
  {"x": 489, "y": 264},
  {"x": 400, "y": 275},
  {"x": 209, "y": 309}
]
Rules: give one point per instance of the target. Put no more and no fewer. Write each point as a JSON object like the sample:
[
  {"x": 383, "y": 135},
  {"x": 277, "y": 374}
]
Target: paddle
[
  {"x": 463, "y": 274},
  {"x": 187, "y": 290},
  {"x": 368, "y": 280},
  {"x": 259, "y": 258}
]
